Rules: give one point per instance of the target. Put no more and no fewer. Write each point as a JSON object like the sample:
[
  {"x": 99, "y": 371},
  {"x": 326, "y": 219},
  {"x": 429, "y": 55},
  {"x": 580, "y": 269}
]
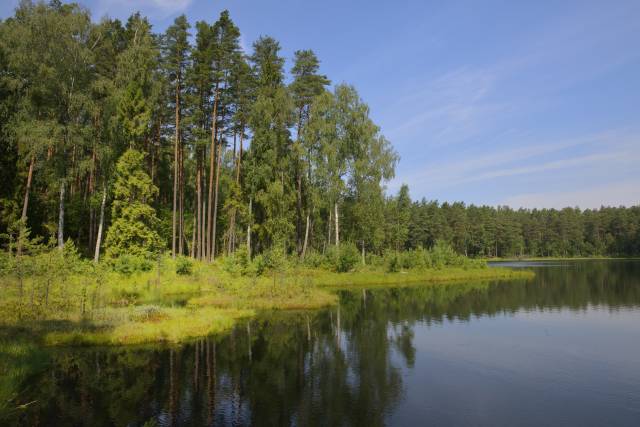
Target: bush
[
  {"x": 129, "y": 264},
  {"x": 256, "y": 266},
  {"x": 415, "y": 259},
  {"x": 237, "y": 263},
  {"x": 393, "y": 263},
  {"x": 184, "y": 266},
  {"x": 347, "y": 258},
  {"x": 442, "y": 254},
  {"x": 314, "y": 259},
  {"x": 275, "y": 259}
]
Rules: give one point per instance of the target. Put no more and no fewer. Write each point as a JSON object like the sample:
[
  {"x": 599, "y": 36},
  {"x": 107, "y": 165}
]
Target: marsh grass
[{"x": 170, "y": 303}]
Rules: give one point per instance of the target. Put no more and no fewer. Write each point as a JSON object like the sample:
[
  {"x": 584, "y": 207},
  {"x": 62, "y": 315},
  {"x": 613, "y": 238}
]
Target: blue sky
[{"x": 533, "y": 104}]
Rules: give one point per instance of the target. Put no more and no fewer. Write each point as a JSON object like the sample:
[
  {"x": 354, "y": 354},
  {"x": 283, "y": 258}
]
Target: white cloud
[
  {"x": 610, "y": 149},
  {"x": 626, "y": 193},
  {"x": 152, "y": 8}
]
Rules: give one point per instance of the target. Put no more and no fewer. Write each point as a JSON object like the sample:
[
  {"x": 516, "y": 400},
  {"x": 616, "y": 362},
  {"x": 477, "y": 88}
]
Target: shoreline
[
  {"x": 180, "y": 308},
  {"x": 588, "y": 258}
]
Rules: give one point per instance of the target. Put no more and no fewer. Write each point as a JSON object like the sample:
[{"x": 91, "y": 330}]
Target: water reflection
[{"x": 356, "y": 364}]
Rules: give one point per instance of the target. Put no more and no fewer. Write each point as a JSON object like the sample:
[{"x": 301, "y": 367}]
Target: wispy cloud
[
  {"x": 448, "y": 108},
  {"x": 471, "y": 101},
  {"x": 625, "y": 193},
  {"x": 615, "y": 151},
  {"x": 158, "y": 9}
]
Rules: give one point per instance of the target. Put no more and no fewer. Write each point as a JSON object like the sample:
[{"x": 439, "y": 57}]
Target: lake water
[{"x": 560, "y": 350}]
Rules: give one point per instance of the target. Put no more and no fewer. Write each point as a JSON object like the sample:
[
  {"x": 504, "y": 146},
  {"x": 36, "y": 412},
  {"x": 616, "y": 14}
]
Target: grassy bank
[{"x": 96, "y": 305}]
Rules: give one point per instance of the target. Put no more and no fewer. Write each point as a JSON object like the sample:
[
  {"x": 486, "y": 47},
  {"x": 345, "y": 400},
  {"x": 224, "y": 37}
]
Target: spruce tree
[{"x": 134, "y": 223}]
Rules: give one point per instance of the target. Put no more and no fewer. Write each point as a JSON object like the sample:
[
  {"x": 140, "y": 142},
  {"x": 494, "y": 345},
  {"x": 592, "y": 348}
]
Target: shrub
[
  {"x": 414, "y": 259},
  {"x": 442, "y": 254},
  {"x": 129, "y": 264},
  {"x": 313, "y": 259},
  {"x": 275, "y": 259},
  {"x": 238, "y": 262},
  {"x": 256, "y": 266},
  {"x": 393, "y": 263},
  {"x": 347, "y": 258},
  {"x": 184, "y": 266}
]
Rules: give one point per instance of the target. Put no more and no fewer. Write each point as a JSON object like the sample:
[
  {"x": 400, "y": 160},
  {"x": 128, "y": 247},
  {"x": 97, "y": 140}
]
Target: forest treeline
[
  {"x": 483, "y": 231},
  {"x": 124, "y": 139}
]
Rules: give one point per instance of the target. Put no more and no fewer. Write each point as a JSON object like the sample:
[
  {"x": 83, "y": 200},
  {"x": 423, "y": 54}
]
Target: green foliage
[
  {"x": 314, "y": 259},
  {"x": 133, "y": 231},
  {"x": 134, "y": 112},
  {"x": 128, "y": 264},
  {"x": 75, "y": 94},
  {"x": 275, "y": 259},
  {"x": 345, "y": 258},
  {"x": 184, "y": 266},
  {"x": 239, "y": 263},
  {"x": 440, "y": 256}
]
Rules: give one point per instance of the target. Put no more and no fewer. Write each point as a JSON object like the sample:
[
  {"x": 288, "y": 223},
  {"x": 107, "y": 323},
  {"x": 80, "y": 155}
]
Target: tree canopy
[{"x": 182, "y": 141}]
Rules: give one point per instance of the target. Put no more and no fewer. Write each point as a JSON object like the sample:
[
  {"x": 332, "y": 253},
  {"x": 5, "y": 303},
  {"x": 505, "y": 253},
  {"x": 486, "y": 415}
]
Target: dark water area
[{"x": 562, "y": 349}]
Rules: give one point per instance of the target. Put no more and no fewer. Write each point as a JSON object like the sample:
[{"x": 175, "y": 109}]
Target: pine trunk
[
  {"x": 176, "y": 172},
  {"x": 299, "y": 243},
  {"x": 215, "y": 198},
  {"x": 181, "y": 239},
  {"x": 306, "y": 238},
  {"x": 61, "y": 217},
  {"x": 232, "y": 221},
  {"x": 249, "y": 230},
  {"x": 214, "y": 122},
  {"x": 192, "y": 253},
  {"x": 198, "y": 216}
]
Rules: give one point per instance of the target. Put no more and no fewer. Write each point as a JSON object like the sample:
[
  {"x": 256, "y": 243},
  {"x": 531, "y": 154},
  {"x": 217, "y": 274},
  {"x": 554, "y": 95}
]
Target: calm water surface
[{"x": 560, "y": 350}]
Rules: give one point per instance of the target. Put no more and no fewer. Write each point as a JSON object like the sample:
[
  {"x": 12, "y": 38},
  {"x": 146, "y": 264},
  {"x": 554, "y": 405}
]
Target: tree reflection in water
[{"x": 340, "y": 366}]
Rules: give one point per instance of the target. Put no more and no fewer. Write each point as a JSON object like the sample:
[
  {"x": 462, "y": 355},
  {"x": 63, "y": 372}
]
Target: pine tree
[
  {"x": 176, "y": 46},
  {"x": 306, "y": 86}
]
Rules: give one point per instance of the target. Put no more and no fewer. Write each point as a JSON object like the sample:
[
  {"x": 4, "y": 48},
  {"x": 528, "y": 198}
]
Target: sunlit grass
[
  {"x": 171, "y": 325},
  {"x": 104, "y": 307}
]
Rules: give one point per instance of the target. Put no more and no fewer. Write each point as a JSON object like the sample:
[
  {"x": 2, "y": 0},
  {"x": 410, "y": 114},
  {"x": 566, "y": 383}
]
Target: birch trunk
[
  {"x": 306, "y": 239},
  {"x": 96, "y": 256},
  {"x": 337, "y": 225},
  {"x": 25, "y": 204}
]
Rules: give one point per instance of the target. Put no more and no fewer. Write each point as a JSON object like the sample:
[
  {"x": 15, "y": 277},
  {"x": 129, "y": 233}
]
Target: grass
[
  {"x": 107, "y": 308},
  {"x": 171, "y": 325}
]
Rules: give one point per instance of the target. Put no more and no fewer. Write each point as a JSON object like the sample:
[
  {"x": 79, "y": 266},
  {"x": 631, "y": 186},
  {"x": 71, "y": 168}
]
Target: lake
[{"x": 562, "y": 349}]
